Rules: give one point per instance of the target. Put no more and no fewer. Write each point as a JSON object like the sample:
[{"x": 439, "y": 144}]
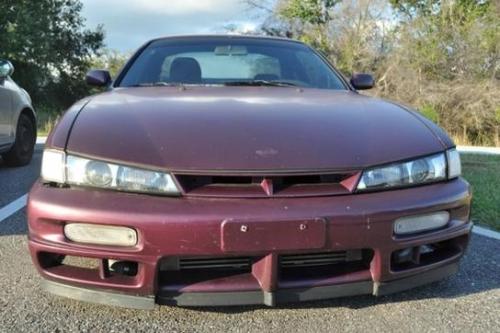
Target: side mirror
[
  {"x": 362, "y": 81},
  {"x": 98, "y": 77},
  {"x": 6, "y": 69}
]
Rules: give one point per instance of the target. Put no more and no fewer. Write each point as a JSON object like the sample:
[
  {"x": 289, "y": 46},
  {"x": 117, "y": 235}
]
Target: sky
[{"x": 130, "y": 23}]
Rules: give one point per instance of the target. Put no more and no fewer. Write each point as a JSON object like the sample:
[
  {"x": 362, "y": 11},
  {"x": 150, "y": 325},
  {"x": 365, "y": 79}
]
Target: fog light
[
  {"x": 403, "y": 256},
  {"x": 128, "y": 268},
  {"x": 100, "y": 234},
  {"x": 419, "y": 223}
]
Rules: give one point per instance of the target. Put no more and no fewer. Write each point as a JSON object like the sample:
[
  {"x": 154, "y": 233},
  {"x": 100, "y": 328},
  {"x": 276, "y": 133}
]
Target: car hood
[{"x": 247, "y": 128}]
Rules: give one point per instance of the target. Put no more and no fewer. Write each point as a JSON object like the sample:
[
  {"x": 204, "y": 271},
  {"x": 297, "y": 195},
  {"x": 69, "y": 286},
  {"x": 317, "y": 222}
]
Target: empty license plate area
[{"x": 258, "y": 236}]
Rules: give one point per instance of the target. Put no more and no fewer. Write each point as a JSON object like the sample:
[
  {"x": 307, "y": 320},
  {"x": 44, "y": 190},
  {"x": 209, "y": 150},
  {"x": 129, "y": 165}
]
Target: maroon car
[{"x": 228, "y": 170}]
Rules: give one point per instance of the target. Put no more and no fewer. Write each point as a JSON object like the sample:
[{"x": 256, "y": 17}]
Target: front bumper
[
  {"x": 173, "y": 228},
  {"x": 249, "y": 297}
]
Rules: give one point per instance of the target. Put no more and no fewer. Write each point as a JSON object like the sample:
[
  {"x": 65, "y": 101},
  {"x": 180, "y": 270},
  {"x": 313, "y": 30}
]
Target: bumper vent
[
  {"x": 230, "y": 273},
  {"x": 319, "y": 259},
  {"x": 219, "y": 263}
]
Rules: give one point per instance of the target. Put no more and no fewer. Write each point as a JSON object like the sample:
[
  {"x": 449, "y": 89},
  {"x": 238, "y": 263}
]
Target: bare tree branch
[{"x": 263, "y": 5}]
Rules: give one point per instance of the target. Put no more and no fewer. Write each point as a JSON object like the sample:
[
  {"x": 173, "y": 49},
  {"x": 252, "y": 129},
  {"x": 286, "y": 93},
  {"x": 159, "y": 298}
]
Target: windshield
[{"x": 229, "y": 61}]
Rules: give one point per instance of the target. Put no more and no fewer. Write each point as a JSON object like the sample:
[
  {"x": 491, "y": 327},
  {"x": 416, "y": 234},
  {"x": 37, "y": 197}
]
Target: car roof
[{"x": 223, "y": 37}]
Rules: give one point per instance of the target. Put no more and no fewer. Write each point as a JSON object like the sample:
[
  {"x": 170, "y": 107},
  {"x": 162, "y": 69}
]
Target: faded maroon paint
[
  {"x": 190, "y": 227},
  {"x": 228, "y": 130},
  {"x": 59, "y": 136},
  {"x": 243, "y": 235},
  {"x": 266, "y": 272},
  {"x": 248, "y": 128}
]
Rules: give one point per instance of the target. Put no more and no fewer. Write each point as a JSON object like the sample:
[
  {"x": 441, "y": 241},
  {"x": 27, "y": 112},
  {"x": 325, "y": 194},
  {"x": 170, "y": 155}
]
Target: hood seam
[
  {"x": 73, "y": 123},
  {"x": 412, "y": 113}
]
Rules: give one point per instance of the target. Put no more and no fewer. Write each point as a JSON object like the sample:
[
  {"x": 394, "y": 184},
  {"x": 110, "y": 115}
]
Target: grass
[
  {"x": 47, "y": 118},
  {"x": 483, "y": 173}
]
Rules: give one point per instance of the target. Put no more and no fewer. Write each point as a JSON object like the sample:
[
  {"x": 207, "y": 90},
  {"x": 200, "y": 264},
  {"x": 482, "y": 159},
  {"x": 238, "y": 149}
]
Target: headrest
[{"x": 185, "y": 70}]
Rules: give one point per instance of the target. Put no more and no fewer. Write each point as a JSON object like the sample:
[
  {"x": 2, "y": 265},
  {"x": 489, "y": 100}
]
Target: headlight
[
  {"x": 419, "y": 171},
  {"x": 56, "y": 167}
]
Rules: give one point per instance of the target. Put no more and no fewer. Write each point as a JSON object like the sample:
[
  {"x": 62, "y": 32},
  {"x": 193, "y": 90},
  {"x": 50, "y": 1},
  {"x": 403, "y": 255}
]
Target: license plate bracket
[{"x": 257, "y": 236}]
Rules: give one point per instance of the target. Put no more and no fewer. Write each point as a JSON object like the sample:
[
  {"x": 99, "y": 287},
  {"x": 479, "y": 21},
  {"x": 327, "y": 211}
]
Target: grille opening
[
  {"x": 221, "y": 180},
  {"x": 236, "y": 263},
  {"x": 294, "y": 271},
  {"x": 98, "y": 268},
  {"x": 190, "y": 183},
  {"x": 251, "y": 185},
  {"x": 82, "y": 262},
  {"x": 282, "y": 183},
  {"x": 427, "y": 254},
  {"x": 126, "y": 268},
  {"x": 177, "y": 272},
  {"x": 323, "y": 265},
  {"x": 48, "y": 260},
  {"x": 310, "y": 179}
]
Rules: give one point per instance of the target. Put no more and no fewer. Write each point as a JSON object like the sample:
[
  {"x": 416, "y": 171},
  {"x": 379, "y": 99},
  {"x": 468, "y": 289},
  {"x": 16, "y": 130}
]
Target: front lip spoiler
[
  {"x": 99, "y": 296},
  {"x": 249, "y": 297}
]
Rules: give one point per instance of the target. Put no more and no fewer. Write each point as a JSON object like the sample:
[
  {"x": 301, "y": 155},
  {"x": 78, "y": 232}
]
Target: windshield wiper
[
  {"x": 156, "y": 84},
  {"x": 257, "y": 83},
  {"x": 251, "y": 83}
]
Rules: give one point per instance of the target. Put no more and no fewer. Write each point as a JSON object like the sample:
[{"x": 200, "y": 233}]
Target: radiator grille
[
  {"x": 252, "y": 186},
  {"x": 319, "y": 259},
  {"x": 220, "y": 263},
  {"x": 245, "y": 263}
]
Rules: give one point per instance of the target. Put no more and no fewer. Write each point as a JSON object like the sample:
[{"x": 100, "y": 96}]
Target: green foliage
[
  {"x": 309, "y": 11},
  {"x": 450, "y": 39},
  {"x": 46, "y": 119},
  {"x": 430, "y": 113},
  {"x": 49, "y": 47},
  {"x": 111, "y": 60},
  {"x": 347, "y": 31},
  {"x": 482, "y": 172},
  {"x": 312, "y": 16},
  {"x": 412, "y": 8}
]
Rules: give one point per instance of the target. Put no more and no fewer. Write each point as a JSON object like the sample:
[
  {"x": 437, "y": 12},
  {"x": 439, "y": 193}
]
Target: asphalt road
[{"x": 467, "y": 302}]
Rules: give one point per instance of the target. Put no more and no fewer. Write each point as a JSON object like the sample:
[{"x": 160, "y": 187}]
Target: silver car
[{"x": 17, "y": 120}]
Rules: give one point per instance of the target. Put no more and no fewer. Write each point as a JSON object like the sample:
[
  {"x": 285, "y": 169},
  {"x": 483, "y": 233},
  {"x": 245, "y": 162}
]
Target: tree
[
  {"x": 315, "y": 12},
  {"x": 441, "y": 56},
  {"x": 49, "y": 47},
  {"x": 447, "y": 59},
  {"x": 111, "y": 60},
  {"x": 351, "y": 33},
  {"x": 414, "y": 8},
  {"x": 313, "y": 15},
  {"x": 450, "y": 39}
]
